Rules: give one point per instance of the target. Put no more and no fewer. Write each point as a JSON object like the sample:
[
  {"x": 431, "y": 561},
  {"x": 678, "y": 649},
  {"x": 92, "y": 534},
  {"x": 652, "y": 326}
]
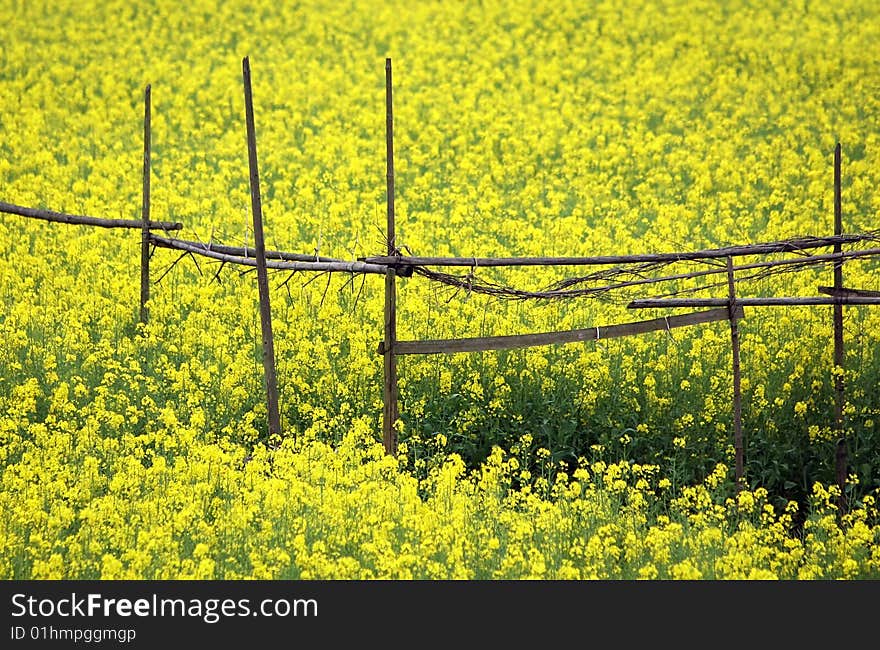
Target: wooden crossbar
[
  {"x": 845, "y": 292},
  {"x": 484, "y": 343}
]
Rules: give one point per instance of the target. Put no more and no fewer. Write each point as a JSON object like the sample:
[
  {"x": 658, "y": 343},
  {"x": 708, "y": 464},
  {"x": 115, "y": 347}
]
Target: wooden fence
[{"x": 394, "y": 263}]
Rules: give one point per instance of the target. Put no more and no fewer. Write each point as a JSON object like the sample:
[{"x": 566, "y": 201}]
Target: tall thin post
[
  {"x": 839, "y": 399},
  {"x": 737, "y": 379},
  {"x": 390, "y": 415},
  {"x": 260, "y": 246},
  {"x": 145, "y": 214}
]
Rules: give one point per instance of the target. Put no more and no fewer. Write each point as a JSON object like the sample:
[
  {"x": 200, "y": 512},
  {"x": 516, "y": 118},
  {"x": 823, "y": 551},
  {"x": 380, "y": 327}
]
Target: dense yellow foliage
[
  {"x": 522, "y": 128},
  {"x": 314, "y": 512}
]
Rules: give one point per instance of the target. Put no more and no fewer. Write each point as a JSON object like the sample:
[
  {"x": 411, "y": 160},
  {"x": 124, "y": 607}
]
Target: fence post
[
  {"x": 145, "y": 214},
  {"x": 259, "y": 244},
  {"x": 737, "y": 380},
  {"x": 390, "y": 414},
  {"x": 839, "y": 398}
]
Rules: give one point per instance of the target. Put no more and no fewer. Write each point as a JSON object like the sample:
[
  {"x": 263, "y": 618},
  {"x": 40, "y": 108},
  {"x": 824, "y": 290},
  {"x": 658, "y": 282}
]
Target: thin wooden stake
[
  {"x": 841, "y": 463},
  {"x": 145, "y": 214},
  {"x": 839, "y": 398},
  {"x": 737, "y": 380},
  {"x": 260, "y": 246},
  {"x": 390, "y": 415}
]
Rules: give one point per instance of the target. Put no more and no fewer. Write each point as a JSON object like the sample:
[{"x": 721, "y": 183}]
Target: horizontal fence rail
[
  {"x": 238, "y": 251},
  {"x": 653, "y": 303},
  {"x": 788, "y": 246},
  {"x": 60, "y": 217},
  {"x": 274, "y": 259},
  {"x": 843, "y": 291},
  {"x": 479, "y": 344}
]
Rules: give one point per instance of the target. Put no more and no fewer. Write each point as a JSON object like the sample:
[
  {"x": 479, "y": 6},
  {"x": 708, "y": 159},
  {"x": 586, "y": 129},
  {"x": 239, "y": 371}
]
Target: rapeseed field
[{"x": 522, "y": 128}]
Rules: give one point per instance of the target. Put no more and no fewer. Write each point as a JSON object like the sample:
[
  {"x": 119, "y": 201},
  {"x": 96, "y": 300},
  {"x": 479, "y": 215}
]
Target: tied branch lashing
[
  {"x": 606, "y": 283},
  {"x": 611, "y": 284},
  {"x": 277, "y": 261}
]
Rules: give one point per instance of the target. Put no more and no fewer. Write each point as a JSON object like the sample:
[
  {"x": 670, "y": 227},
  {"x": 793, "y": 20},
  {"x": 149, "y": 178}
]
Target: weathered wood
[
  {"x": 847, "y": 292},
  {"x": 662, "y": 303},
  {"x": 807, "y": 260},
  {"x": 262, "y": 277},
  {"x": 76, "y": 219},
  {"x": 145, "y": 214},
  {"x": 840, "y": 465},
  {"x": 249, "y": 251},
  {"x": 485, "y": 343},
  {"x": 739, "y": 447},
  {"x": 280, "y": 263},
  {"x": 390, "y": 414},
  {"x": 390, "y": 411},
  {"x": 839, "y": 397},
  {"x": 793, "y": 245},
  {"x": 389, "y": 160}
]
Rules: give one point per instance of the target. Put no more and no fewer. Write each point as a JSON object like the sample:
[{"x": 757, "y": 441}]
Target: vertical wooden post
[
  {"x": 145, "y": 214},
  {"x": 839, "y": 399},
  {"x": 840, "y": 459},
  {"x": 260, "y": 245},
  {"x": 737, "y": 379},
  {"x": 390, "y": 414}
]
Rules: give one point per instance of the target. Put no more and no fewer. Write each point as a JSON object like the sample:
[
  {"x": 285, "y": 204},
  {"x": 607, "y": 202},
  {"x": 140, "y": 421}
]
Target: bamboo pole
[
  {"x": 806, "y": 260},
  {"x": 737, "y": 379},
  {"x": 793, "y": 245},
  {"x": 262, "y": 278},
  {"x": 390, "y": 415},
  {"x": 839, "y": 401},
  {"x": 404, "y": 262},
  {"x": 569, "y": 288},
  {"x": 75, "y": 219},
  {"x": 245, "y": 255},
  {"x": 145, "y": 214}
]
